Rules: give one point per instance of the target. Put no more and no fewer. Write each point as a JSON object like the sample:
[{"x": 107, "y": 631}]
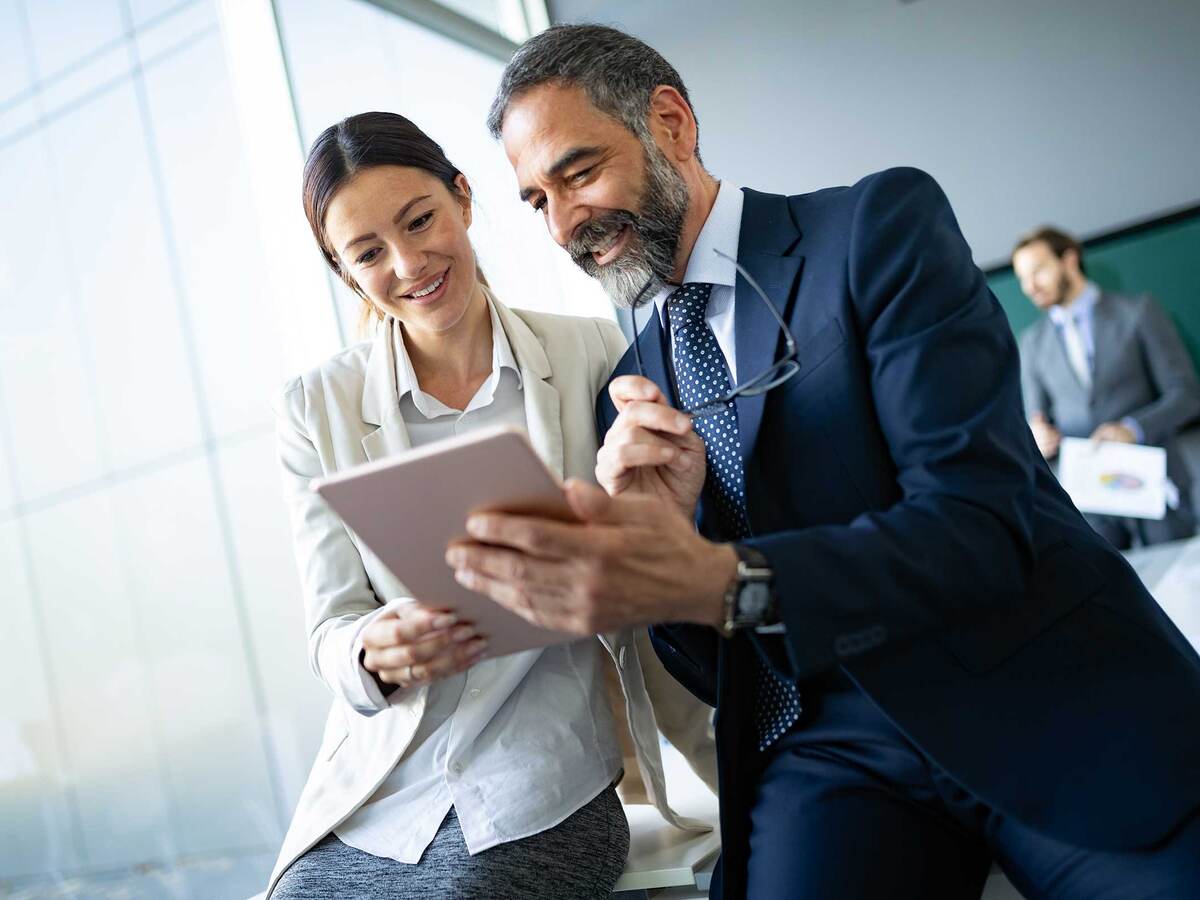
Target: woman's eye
[
  {"x": 420, "y": 221},
  {"x": 368, "y": 256}
]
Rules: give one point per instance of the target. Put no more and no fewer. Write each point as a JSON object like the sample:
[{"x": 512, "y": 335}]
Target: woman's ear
[{"x": 463, "y": 195}]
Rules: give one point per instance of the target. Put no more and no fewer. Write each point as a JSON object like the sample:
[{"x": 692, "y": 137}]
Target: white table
[
  {"x": 664, "y": 860},
  {"x": 1172, "y": 573}
]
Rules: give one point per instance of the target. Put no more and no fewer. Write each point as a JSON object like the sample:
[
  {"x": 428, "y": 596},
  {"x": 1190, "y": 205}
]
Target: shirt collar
[
  {"x": 406, "y": 376},
  {"x": 720, "y": 232},
  {"x": 1080, "y": 309}
]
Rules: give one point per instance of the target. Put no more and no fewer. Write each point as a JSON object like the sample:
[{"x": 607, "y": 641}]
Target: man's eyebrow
[
  {"x": 396, "y": 218},
  {"x": 568, "y": 159}
]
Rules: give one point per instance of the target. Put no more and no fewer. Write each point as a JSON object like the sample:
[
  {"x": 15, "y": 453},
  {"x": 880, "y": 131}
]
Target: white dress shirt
[
  {"x": 516, "y": 744},
  {"x": 721, "y": 231}
]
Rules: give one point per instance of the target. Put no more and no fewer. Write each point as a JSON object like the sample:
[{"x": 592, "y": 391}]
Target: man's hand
[
  {"x": 1114, "y": 431},
  {"x": 651, "y": 449},
  {"x": 413, "y": 645},
  {"x": 631, "y": 561},
  {"x": 1047, "y": 436}
]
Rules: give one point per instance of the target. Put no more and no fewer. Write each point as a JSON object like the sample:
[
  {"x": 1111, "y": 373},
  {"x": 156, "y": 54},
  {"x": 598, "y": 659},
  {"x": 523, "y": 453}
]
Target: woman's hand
[
  {"x": 651, "y": 449},
  {"x": 412, "y": 645}
]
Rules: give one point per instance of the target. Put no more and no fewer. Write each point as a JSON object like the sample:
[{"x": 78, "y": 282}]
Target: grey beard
[{"x": 649, "y": 258}]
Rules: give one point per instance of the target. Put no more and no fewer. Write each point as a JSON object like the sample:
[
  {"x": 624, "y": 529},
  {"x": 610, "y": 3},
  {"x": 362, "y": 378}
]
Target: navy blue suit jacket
[{"x": 920, "y": 542}]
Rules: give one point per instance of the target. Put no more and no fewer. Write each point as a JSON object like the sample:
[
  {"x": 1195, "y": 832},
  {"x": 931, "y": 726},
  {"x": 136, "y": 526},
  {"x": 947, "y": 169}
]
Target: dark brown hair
[
  {"x": 1059, "y": 243},
  {"x": 357, "y": 143}
]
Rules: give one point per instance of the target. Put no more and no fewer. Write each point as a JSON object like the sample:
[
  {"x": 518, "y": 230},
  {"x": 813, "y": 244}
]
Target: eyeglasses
[{"x": 779, "y": 372}]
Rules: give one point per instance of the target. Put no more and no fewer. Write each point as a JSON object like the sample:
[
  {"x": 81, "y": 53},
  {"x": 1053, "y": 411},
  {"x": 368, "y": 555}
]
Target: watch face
[{"x": 754, "y": 601}]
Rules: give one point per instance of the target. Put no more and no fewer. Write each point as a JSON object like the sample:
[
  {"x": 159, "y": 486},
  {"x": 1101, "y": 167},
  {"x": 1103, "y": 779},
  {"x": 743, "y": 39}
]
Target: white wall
[{"x": 1080, "y": 112}]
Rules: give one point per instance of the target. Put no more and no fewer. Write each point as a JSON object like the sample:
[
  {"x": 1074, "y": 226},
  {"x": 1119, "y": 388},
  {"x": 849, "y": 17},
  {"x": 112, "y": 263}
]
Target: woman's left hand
[{"x": 412, "y": 645}]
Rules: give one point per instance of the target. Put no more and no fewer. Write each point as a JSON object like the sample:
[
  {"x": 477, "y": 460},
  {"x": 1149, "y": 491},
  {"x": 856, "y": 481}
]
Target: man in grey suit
[{"x": 1105, "y": 366}]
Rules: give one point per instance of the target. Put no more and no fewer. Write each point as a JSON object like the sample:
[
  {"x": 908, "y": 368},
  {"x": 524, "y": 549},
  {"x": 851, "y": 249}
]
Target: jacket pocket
[{"x": 1061, "y": 581}]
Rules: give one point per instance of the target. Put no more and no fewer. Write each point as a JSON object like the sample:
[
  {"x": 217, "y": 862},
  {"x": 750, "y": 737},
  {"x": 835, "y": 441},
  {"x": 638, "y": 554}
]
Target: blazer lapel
[
  {"x": 1105, "y": 337},
  {"x": 542, "y": 420},
  {"x": 765, "y": 244},
  {"x": 653, "y": 347},
  {"x": 381, "y": 400}
]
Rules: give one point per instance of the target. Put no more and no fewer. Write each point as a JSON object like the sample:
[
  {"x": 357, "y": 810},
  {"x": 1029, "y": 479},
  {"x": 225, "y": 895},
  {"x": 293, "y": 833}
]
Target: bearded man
[
  {"x": 1104, "y": 366},
  {"x": 822, "y": 496}
]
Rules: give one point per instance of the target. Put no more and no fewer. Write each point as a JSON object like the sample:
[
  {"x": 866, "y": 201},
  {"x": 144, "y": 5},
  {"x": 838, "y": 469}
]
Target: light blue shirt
[{"x": 722, "y": 230}]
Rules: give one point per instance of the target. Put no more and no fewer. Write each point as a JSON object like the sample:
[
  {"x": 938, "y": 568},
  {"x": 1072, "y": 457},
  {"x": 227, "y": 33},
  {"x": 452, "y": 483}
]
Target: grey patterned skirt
[{"x": 581, "y": 858}]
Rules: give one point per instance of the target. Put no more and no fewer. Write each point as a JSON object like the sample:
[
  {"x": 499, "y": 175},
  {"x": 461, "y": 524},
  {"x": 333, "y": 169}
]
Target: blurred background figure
[{"x": 1106, "y": 366}]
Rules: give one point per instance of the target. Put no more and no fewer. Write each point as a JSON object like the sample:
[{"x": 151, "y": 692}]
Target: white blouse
[{"x": 515, "y": 744}]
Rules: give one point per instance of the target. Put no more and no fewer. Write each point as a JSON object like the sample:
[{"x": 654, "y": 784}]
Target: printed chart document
[{"x": 1114, "y": 479}]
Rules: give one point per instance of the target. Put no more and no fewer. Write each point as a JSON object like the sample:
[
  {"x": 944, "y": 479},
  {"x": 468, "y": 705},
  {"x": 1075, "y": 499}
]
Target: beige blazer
[{"x": 347, "y": 412}]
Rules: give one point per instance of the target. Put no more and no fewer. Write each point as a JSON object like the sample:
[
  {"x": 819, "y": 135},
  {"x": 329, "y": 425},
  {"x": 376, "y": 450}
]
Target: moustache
[{"x": 596, "y": 233}]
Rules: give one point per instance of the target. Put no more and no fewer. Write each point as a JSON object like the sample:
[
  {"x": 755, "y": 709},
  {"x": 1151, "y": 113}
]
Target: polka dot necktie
[{"x": 701, "y": 376}]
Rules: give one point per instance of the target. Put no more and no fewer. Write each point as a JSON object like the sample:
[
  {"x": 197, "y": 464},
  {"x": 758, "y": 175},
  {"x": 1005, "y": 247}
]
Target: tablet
[{"x": 408, "y": 508}]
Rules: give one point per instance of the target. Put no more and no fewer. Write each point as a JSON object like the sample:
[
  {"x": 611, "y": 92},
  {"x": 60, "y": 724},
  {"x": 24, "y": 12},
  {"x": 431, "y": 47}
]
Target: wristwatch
[{"x": 750, "y": 600}]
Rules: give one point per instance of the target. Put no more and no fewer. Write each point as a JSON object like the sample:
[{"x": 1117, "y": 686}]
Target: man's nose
[{"x": 562, "y": 220}]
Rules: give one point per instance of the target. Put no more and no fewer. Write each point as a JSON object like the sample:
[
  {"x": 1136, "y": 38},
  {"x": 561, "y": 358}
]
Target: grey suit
[{"x": 1141, "y": 370}]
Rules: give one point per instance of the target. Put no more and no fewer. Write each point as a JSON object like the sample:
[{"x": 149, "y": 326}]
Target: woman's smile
[{"x": 430, "y": 290}]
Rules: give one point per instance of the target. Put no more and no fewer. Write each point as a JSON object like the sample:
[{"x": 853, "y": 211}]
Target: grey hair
[{"x": 617, "y": 72}]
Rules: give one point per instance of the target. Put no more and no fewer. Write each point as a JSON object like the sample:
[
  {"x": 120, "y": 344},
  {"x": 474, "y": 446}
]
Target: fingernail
[
  {"x": 462, "y": 633},
  {"x": 454, "y": 556},
  {"x": 476, "y": 648},
  {"x": 465, "y": 577},
  {"x": 445, "y": 620},
  {"x": 476, "y": 526}
]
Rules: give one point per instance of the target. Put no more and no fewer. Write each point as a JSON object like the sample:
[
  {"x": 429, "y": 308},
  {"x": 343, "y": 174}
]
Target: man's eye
[{"x": 580, "y": 175}]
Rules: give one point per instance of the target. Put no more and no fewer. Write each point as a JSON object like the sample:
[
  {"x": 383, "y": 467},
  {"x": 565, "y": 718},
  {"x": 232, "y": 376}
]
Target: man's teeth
[
  {"x": 429, "y": 290},
  {"x": 610, "y": 242}
]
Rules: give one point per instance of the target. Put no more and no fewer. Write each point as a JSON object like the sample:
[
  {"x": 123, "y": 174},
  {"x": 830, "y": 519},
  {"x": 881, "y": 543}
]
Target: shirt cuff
[
  {"x": 1132, "y": 424},
  {"x": 370, "y": 687}
]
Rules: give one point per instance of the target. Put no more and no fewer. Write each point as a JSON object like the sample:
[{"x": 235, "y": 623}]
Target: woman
[{"x": 442, "y": 774}]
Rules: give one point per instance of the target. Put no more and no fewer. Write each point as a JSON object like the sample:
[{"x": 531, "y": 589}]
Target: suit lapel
[
  {"x": 765, "y": 244},
  {"x": 542, "y": 419},
  {"x": 381, "y": 402},
  {"x": 543, "y": 422},
  {"x": 1105, "y": 337},
  {"x": 652, "y": 344}
]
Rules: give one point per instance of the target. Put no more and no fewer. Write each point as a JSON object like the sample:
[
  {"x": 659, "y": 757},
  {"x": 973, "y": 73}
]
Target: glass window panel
[
  {"x": 485, "y": 12},
  {"x": 124, "y": 292},
  {"x": 238, "y": 345},
  {"x": 45, "y": 371},
  {"x": 321, "y": 37},
  {"x": 64, "y": 31},
  {"x": 193, "y": 652},
  {"x": 102, "y": 682},
  {"x": 144, "y": 11},
  {"x": 296, "y": 701},
  {"x": 35, "y": 827},
  {"x": 181, "y": 25},
  {"x": 93, "y": 74},
  {"x": 15, "y": 72}
]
